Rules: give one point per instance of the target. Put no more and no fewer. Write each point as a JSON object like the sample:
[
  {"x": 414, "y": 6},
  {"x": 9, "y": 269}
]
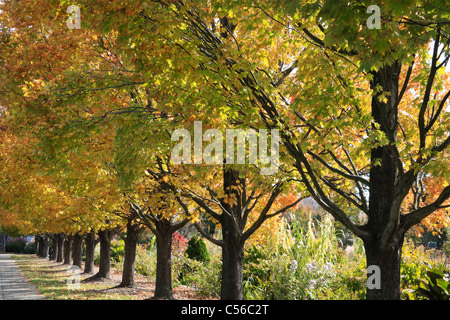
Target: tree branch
[
  {"x": 207, "y": 236},
  {"x": 418, "y": 215},
  {"x": 438, "y": 111},
  {"x": 318, "y": 194},
  {"x": 337, "y": 171},
  {"x": 263, "y": 215},
  {"x": 405, "y": 84},
  {"x": 203, "y": 205},
  {"x": 423, "y": 129}
]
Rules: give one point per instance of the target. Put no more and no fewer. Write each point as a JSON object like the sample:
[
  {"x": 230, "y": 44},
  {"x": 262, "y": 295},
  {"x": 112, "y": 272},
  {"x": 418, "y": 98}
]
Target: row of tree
[
  {"x": 164, "y": 219},
  {"x": 68, "y": 250},
  {"x": 163, "y": 199},
  {"x": 87, "y": 114}
]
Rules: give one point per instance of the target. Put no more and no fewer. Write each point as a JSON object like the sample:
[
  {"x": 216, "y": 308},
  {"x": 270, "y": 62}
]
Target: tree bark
[
  {"x": 233, "y": 244},
  {"x": 90, "y": 249},
  {"x": 60, "y": 245},
  {"x": 163, "y": 289},
  {"x": 37, "y": 241},
  {"x": 130, "y": 255},
  {"x": 388, "y": 260},
  {"x": 233, "y": 240},
  {"x": 77, "y": 249},
  {"x": 54, "y": 251},
  {"x": 44, "y": 247},
  {"x": 68, "y": 250},
  {"x": 232, "y": 266},
  {"x": 104, "y": 271},
  {"x": 383, "y": 249}
]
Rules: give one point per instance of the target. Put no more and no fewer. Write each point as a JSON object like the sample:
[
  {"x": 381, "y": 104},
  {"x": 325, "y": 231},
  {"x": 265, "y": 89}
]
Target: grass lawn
[{"x": 51, "y": 279}]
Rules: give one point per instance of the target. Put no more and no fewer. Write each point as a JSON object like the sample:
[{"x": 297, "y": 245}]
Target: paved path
[{"x": 13, "y": 284}]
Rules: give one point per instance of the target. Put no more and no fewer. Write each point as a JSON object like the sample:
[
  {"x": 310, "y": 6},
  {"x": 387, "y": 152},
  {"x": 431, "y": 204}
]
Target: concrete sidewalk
[{"x": 13, "y": 283}]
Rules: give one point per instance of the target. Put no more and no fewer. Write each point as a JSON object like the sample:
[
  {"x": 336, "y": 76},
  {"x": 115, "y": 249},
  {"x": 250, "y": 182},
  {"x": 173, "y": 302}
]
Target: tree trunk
[
  {"x": 60, "y": 245},
  {"x": 233, "y": 246},
  {"x": 40, "y": 245},
  {"x": 44, "y": 247},
  {"x": 77, "y": 249},
  {"x": 90, "y": 249},
  {"x": 105, "y": 254},
  {"x": 383, "y": 250},
  {"x": 130, "y": 255},
  {"x": 388, "y": 275},
  {"x": 54, "y": 250},
  {"x": 37, "y": 241},
  {"x": 68, "y": 250},
  {"x": 232, "y": 263},
  {"x": 163, "y": 288}
]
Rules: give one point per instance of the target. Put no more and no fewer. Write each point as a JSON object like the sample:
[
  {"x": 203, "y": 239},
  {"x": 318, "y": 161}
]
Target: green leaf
[{"x": 444, "y": 285}]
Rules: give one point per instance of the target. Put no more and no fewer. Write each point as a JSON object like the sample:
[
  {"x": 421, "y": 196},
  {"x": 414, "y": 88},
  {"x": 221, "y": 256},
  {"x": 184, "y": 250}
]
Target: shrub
[
  {"x": 205, "y": 279},
  {"x": 435, "y": 285},
  {"x": 196, "y": 250},
  {"x": 30, "y": 247},
  {"x": 350, "y": 281},
  {"x": 117, "y": 250},
  {"x": 145, "y": 263},
  {"x": 179, "y": 243},
  {"x": 255, "y": 267},
  {"x": 16, "y": 246},
  {"x": 413, "y": 267},
  {"x": 305, "y": 261}
]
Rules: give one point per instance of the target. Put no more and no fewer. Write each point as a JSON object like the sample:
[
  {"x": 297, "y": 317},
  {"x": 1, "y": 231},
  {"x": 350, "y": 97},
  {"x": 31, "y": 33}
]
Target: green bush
[
  {"x": 305, "y": 262},
  {"x": 256, "y": 270},
  {"x": 411, "y": 272},
  {"x": 196, "y": 250},
  {"x": 350, "y": 281},
  {"x": 198, "y": 269},
  {"x": 145, "y": 263},
  {"x": 435, "y": 286},
  {"x": 16, "y": 246},
  {"x": 413, "y": 268},
  {"x": 117, "y": 250},
  {"x": 97, "y": 255},
  {"x": 256, "y": 274},
  {"x": 30, "y": 247},
  {"x": 205, "y": 278}
]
